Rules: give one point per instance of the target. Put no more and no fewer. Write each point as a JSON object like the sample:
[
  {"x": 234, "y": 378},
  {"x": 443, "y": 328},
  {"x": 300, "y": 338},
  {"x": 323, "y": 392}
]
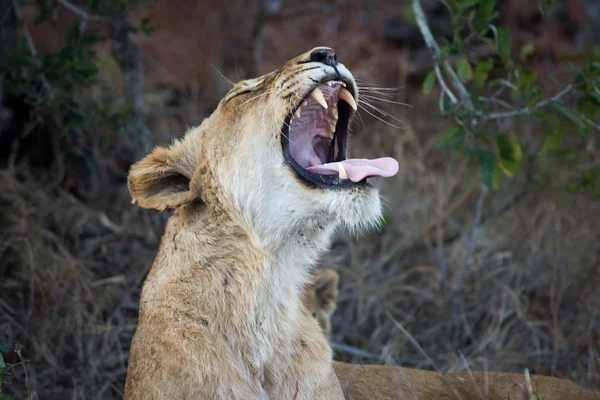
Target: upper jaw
[{"x": 328, "y": 104}]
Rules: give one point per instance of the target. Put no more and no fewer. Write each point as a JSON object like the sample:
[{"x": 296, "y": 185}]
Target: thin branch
[
  {"x": 472, "y": 236},
  {"x": 435, "y": 50},
  {"x": 81, "y": 12},
  {"x": 528, "y": 110},
  {"x": 137, "y": 138},
  {"x": 496, "y": 101},
  {"x": 445, "y": 88},
  {"x": 308, "y": 9},
  {"x": 32, "y": 48},
  {"x": 355, "y": 351},
  {"x": 462, "y": 273},
  {"x": 28, "y": 38}
]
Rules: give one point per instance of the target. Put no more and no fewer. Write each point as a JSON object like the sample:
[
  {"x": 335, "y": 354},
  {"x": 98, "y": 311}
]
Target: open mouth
[{"x": 314, "y": 139}]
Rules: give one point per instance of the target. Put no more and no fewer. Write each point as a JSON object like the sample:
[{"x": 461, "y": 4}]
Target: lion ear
[
  {"x": 326, "y": 288},
  {"x": 162, "y": 179}
]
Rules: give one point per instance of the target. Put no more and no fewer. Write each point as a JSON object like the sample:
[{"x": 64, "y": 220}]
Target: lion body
[{"x": 220, "y": 310}]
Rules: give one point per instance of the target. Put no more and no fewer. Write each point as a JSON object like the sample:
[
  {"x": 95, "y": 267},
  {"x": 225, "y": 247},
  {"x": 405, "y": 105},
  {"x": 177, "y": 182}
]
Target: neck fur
[{"x": 246, "y": 291}]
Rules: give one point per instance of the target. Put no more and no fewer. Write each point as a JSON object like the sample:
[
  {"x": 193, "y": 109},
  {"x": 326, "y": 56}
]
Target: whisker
[
  {"x": 386, "y": 100},
  {"x": 283, "y": 121},
  {"x": 382, "y": 87},
  {"x": 369, "y": 91},
  {"x": 222, "y": 76},
  {"x": 381, "y": 111},
  {"x": 377, "y": 117},
  {"x": 257, "y": 96}
]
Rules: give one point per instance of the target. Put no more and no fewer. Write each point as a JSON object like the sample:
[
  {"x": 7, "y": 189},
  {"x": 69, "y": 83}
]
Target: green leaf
[
  {"x": 3, "y": 347},
  {"x": 487, "y": 166},
  {"x": 510, "y": 152},
  {"x": 552, "y": 141},
  {"x": 428, "y": 83},
  {"x": 526, "y": 50},
  {"x": 447, "y": 137},
  {"x": 465, "y": 73},
  {"x": 570, "y": 115},
  {"x": 503, "y": 42},
  {"x": 498, "y": 177},
  {"x": 566, "y": 155},
  {"x": 486, "y": 12},
  {"x": 4, "y": 397},
  {"x": 482, "y": 71}
]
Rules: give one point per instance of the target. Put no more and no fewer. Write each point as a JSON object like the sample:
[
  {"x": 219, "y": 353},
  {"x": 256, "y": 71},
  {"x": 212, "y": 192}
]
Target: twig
[
  {"x": 435, "y": 50},
  {"x": 32, "y": 48},
  {"x": 455, "y": 326},
  {"x": 445, "y": 88},
  {"x": 18, "y": 350},
  {"x": 136, "y": 137},
  {"x": 28, "y": 38},
  {"x": 472, "y": 236},
  {"x": 307, "y": 9},
  {"x": 496, "y": 101},
  {"x": 354, "y": 351},
  {"x": 81, "y": 12},
  {"x": 415, "y": 343},
  {"x": 527, "y": 110}
]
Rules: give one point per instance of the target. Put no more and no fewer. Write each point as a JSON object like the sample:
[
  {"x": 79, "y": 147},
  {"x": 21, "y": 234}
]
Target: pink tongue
[{"x": 359, "y": 169}]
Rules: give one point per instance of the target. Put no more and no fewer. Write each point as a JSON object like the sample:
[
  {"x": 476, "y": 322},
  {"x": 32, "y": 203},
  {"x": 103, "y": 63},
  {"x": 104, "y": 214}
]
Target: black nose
[{"x": 325, "y": 56}]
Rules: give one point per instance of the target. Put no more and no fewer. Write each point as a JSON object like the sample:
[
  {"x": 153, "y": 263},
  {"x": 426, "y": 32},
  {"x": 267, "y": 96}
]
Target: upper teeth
[
  {"x": 348, "y": 98},
  {"x": 317, "y": 95},
  {"x": 344, "y": 94}
]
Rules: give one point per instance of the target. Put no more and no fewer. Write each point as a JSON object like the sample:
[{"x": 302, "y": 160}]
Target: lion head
[
  {"x": 273, "y": 156},
  {"x": 320, "y": 297}
]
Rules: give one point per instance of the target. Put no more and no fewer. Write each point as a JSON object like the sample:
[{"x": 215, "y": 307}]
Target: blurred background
[{"x": 488, "y": 256}]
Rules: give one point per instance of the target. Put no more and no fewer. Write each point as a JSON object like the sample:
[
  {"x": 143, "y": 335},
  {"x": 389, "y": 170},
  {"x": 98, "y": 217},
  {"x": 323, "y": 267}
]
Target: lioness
[
  {"x": 258, "y": 189},
  {"x": 320, "y": 297},
  {"x": 379, "y": 382}
]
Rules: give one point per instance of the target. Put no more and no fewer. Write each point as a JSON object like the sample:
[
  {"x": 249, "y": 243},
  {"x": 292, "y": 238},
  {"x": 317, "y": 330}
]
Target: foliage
[
  {"x": 500, "y": 92},
  {"x": 61, "y": 88}
]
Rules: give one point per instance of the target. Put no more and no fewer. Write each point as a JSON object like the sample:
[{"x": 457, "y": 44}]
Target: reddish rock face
[{"x": 196, "y": 38}]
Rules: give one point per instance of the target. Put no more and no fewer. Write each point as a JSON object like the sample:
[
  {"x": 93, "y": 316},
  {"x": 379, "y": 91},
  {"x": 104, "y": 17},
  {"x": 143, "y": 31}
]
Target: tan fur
[
  {"x": 220, "y": 311},
  {"x": 320, "y": 297},
  {"x": 379, "y": 382}
]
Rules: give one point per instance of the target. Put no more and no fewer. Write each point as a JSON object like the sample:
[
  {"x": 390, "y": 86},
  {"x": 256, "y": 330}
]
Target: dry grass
[
  {"x": 70, "y": 288},
  {"x": 522, "y": 292}
]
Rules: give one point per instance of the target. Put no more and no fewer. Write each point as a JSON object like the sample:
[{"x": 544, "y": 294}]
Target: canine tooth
[
  {"x": 317, "y": 95},
  {"x": 329, "y": 83},
  {"x": 342, "y": 171},
  {"x": 297, "y": 113},
  {"x": 343, "y": 84},
  {"x": 304, "y": 103},
  {"x": 347, "y": 97}
]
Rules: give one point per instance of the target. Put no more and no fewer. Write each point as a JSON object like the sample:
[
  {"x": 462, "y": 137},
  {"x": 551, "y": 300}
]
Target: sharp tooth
[
  {"x": 331, "y": 130},
  {"x": 342, "y": 171},
  {"x": 329, "y": 83},
  {"x": 347, "y": 97},
  {"x": 297, "y": 113},
  {"x": 317, "y": 95},
  {"x": 343, "y": 84}
]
